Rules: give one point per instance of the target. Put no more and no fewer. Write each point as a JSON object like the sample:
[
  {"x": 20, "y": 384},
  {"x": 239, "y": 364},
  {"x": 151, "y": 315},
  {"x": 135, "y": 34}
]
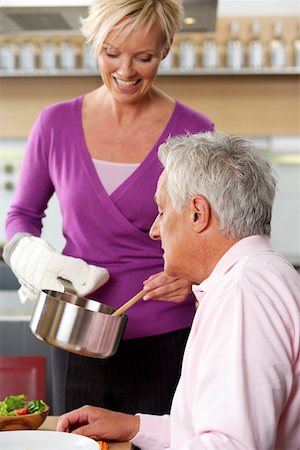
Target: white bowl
[{"x": 45, "y": 440}]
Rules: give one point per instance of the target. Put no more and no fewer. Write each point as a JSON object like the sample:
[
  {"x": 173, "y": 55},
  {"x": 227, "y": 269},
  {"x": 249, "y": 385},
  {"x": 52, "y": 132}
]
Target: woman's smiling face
[{"x": 129, "y": 62}]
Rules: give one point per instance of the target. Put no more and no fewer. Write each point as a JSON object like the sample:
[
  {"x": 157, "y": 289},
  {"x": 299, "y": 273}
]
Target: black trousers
[{"x": 141, "y": 377}]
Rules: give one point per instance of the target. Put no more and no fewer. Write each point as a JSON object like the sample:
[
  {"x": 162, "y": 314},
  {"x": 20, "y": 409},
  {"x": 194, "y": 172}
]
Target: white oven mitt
[{"x": 37, "y": 265}]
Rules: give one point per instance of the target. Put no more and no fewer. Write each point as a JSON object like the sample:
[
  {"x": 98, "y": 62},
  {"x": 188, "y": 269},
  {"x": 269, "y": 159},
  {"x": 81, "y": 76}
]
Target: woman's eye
[
  {"x": 112, "y": 55},
  {"x": 144, "y": 58}
]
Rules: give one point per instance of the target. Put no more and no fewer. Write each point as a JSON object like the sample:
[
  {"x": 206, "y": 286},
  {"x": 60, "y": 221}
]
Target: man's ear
[{"x": 201, "y": 213}]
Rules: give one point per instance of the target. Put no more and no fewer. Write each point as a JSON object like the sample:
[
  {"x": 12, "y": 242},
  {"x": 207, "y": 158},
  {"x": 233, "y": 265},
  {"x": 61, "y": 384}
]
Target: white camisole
[{"x": 113, "y": 174}]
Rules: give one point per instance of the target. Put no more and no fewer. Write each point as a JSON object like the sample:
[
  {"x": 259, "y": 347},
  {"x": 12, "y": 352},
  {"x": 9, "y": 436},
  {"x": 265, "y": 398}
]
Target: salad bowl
[{"x": 26, "y": 415}]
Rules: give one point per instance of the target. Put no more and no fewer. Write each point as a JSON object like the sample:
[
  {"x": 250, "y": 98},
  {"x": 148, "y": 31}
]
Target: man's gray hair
[{"x": 229, "y": 172}]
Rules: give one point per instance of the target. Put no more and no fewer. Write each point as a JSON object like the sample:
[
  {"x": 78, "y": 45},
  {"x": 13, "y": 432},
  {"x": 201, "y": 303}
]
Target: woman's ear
[
  {"x": 166, "y": 49},
  {"x": 165, "y": 52},
  {"x": 201, "y": 213}
]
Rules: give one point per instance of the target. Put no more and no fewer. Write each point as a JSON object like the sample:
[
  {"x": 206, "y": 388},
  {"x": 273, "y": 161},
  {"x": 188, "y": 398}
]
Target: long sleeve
[
  {"x": 34, "y": 188},
  {"x": 154, "y": 433}
]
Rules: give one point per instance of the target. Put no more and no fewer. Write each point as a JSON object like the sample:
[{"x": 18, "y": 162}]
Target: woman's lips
[{"x": 124, "y": 84}]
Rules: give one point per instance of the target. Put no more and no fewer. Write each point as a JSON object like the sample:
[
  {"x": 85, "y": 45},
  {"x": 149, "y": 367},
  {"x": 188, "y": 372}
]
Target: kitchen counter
[{"x": 50, "y": 425}]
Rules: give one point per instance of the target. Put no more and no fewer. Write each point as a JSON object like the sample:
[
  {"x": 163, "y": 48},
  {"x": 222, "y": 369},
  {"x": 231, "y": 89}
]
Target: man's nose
[{"x": 154, "y": 230}]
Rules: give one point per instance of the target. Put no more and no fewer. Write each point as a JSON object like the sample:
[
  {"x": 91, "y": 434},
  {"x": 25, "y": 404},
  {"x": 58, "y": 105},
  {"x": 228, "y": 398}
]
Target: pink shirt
[{"x": 240, "y": 381}]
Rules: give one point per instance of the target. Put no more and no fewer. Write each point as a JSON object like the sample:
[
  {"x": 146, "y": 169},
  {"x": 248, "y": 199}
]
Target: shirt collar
[{"x": 241, "y": 249}]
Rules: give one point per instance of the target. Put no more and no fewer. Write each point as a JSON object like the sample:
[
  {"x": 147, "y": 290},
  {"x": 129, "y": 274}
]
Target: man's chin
[{"x": 170, "y": 271}]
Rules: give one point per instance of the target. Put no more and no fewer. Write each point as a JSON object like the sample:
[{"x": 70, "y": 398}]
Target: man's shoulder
[{"x": 269, "y": 274}]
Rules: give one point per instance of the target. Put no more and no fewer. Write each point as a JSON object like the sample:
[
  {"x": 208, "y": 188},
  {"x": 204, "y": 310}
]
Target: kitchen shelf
[
  {"x": 224, "y": 71},
  {"x": 173, "y": 72}
]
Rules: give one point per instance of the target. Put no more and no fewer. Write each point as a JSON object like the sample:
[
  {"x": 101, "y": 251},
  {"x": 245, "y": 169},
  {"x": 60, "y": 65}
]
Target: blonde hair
[{"x": 106, "y": 15}]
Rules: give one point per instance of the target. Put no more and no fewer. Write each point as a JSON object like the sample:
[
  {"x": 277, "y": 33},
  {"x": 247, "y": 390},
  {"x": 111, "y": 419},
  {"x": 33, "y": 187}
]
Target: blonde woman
[{"x": 98, "y": 152}]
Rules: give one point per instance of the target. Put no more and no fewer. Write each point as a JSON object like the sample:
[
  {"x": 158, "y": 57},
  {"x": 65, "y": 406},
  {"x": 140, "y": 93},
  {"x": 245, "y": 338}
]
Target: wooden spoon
[{"x": 130, "y": 302}]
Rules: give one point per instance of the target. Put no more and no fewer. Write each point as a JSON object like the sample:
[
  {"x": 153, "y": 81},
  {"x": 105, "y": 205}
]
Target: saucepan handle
[{"x": 68, "y": 286}]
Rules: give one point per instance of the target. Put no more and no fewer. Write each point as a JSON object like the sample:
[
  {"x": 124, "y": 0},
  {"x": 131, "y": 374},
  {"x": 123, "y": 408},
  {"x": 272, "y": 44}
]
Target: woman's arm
[{"x": 34, "y": 187}]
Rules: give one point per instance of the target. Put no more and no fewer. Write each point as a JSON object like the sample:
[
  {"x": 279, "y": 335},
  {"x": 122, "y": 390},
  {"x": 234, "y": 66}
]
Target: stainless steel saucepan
[{"x": 78, "y": 324}]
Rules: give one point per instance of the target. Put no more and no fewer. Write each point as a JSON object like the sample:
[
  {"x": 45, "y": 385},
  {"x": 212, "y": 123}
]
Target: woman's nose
[
  {"x": 126, "y": 68},
  {"x": 154, "y": 231}
]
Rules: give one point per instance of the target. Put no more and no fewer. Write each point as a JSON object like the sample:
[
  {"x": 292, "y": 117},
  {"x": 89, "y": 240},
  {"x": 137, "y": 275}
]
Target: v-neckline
[{"x": 140, "y": 170}]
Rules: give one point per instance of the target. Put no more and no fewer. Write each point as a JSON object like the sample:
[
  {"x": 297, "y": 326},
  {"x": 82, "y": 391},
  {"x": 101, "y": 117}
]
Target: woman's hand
[
  {"x": 162, "y": 287},
  {"x": 99, "y": 422}
]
